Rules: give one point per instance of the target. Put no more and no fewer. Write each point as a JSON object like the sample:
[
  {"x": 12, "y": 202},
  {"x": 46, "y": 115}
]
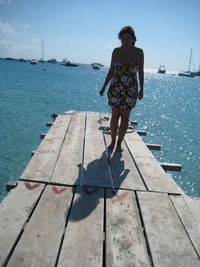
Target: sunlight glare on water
[{"x": 169, "y": 112}]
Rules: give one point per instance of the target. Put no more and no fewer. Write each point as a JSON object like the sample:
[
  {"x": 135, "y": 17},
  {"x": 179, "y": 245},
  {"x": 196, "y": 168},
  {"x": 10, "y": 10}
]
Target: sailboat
[
  {"x": 196, "y": 72},
  {"x": 187, "y": 73},
  {"x": 42, "y": 58}
]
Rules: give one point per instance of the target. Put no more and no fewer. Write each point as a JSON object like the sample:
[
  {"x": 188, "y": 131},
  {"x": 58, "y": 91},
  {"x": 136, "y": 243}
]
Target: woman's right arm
[{"x": 110, "y": 73}]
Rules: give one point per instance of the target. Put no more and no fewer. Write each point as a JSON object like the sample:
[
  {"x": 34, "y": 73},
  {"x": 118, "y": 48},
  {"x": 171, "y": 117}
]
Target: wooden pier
[{"x": 79, "y": 204}]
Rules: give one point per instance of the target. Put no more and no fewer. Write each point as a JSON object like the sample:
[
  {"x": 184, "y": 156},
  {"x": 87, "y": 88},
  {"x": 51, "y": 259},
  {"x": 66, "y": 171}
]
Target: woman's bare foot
[{"x": 111, "y": 146}]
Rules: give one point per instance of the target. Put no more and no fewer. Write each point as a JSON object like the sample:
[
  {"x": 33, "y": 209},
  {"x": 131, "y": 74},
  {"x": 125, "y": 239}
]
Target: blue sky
[{"x": 85, "y": 31}]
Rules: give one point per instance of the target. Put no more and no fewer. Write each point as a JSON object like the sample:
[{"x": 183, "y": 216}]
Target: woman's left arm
[{"x": 141, "y": 68}]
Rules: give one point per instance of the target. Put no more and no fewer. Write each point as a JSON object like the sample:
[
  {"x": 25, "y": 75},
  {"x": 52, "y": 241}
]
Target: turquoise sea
[{"x": 169, "y": 112}]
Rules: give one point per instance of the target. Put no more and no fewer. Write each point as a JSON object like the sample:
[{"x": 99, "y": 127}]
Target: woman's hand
[
  {"x": 101, "y": 92},
  {"x": 140, "y": 94}
]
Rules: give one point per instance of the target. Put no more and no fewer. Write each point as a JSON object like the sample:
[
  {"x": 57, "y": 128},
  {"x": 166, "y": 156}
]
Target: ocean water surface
[{"x": 29, "y": 94}]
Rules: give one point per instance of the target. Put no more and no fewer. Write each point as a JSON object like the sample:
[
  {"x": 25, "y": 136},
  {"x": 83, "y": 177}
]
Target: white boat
[
  {"x": 52, "y": 60},
  {"x": 95, "y": 66},
  {"x": 187, "y": 73},
  {"x": 22, "y": 60},
  {"x": 42, "y": 57},
  {"x": 34, "y": 61},
  {"x": 161, "y": 69},
  {"x": 64, "y": 61},
  {"x": 68, "y": 63}
]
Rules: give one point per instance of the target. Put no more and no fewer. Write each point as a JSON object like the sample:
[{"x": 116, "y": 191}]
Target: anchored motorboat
[
  {"x": 68, "y": 63},
  {"x": 52, "y": 60},
  {"x": 34, "y": 61},
  {"x": 161, "y": 69},
  {"x": 22, "y": 60},
  {"x": 64, "y": 61},
  {"x": 96, "y": 66}
]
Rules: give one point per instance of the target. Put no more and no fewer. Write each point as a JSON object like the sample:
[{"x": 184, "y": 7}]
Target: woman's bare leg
[
  {"x": 125, "y": 113},
  {"x": 114, "y": 125}
]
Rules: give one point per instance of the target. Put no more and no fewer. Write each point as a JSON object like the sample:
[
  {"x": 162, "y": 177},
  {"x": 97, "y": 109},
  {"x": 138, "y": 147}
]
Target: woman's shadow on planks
[{"x": 88, "y": 195}]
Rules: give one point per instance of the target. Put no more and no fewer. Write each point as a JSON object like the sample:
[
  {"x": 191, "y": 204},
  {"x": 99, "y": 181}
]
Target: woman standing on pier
[{"x": 122, "y": 94}]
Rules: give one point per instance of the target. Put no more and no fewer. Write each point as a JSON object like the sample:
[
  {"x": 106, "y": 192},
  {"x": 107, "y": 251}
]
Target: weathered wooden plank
[
  {"x": 68, "y": 168},
  {"x": 62, "y": 120},
  {"x": 49, "y": 124},
  {"x": 133, "y": 122},
  {"x": 155, "y": 177},
  {"x": 15, "y": 209},
  {"x": 171, "y": 166},
  {"x": 96, "y": 170},
  {"x": 55, "y": 115},
  {"x": 10, "y": 185},
  {"x": 59, "y": 127},
  {"x": 141, "y": 132},
  {"x": 50, "y": 145},
  {"x": 125, "y": 242},
  {"x": 153, "y": 146},
  {"x": 188, "y": 208},
  {"x": 83, "y": 241},
  {"x": 41, "y": 165},
  {"x": 39, "y": 243},
  {"x": 124, "y": 172},
  {"x": 193, "y": 204},
  {"x": 94, "y": 143},
  {"x": 169, "y": 243},
  {"x": 54, "y": 132},
  {"x": 136, "y": 143},
  {"x": 42, "y": 135}
]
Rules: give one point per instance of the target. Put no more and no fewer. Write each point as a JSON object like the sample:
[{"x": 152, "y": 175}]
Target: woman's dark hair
[{"x": 128, "y": 29}]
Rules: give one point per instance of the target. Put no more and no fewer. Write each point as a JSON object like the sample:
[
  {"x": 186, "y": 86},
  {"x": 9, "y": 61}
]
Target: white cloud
[
  {"x": 6, "y": 44},
  {"x": 5, "y": 2},
  {"x": 9, "y": 44},
  {"x": 25, "y": 26},
  {"x": 7, "y": 29}
]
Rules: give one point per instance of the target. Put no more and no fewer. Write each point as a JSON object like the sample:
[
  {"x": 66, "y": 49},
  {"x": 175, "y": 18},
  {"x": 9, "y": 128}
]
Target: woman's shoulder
[
  {"x": 115, "y": 52},
  {"x": 139, "y": 50},
  {"x": 116, "y": 49}
]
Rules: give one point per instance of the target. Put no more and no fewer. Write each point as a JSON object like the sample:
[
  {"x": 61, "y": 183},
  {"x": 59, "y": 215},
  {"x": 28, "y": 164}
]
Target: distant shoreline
[{"x": 107, "y": 67}]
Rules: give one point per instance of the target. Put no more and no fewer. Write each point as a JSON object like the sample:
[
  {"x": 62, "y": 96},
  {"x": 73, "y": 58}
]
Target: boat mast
[
  {"x": 42, "y": 51},
  {"x": 190, "y": 59}
]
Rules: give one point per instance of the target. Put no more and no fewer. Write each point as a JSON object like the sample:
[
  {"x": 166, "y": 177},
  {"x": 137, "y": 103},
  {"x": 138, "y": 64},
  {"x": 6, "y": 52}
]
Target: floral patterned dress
[{"x": 123, "y": 88}]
